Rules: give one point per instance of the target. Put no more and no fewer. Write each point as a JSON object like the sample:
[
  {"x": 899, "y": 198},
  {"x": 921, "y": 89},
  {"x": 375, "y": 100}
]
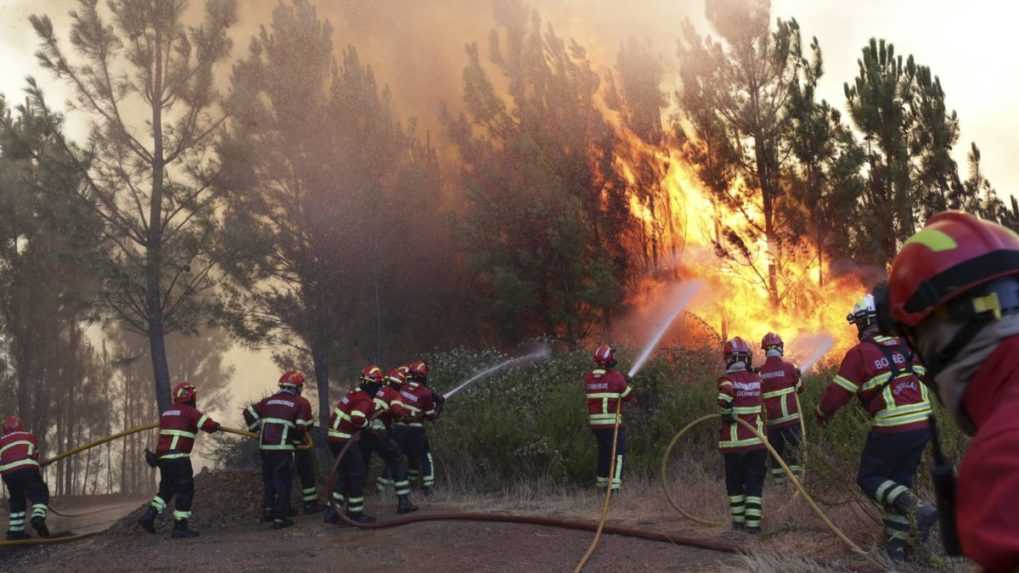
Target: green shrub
[{"x": 530, "y": 423}]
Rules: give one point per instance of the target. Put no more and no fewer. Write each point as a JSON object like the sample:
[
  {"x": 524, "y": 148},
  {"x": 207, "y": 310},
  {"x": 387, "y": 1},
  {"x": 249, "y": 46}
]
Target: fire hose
[
  {"x": 774, "y": 454},
  {"x": 77, "y": 450},
  {"x": 577, "y": 525}
]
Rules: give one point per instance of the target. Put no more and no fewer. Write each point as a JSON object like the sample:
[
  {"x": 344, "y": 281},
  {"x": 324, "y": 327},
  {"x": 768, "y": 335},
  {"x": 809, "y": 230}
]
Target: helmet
[
  {"x": 864, "y": 312},
  {"x": 372, "y": 374},
  {"x": 772, "y": 340},
  {"x": 419, "y": 370},
  {"x": 396, "y": 377},
  {"x": 405, "y": 370},
  {"x": 960, "y": 264},
  {"x": 955, "y": 253},
  {"x": 292, "y": 379},
  {"x": 184, "y": 393},
  {"x": 605, "y": 355},
  {"x": 736, "y": 350},
  {"x": 12, "y": 424}
]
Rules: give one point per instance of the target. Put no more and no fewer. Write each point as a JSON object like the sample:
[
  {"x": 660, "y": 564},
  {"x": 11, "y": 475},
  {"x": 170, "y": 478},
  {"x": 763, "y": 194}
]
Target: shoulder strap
[{"x": 907, "y": 353}]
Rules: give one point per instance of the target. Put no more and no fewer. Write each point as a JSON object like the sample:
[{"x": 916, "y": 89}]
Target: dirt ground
[{"x": 227, "y": 508}]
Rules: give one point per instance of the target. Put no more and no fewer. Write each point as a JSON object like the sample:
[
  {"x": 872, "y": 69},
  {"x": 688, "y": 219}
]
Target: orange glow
[{"x": 689, "y": 225}]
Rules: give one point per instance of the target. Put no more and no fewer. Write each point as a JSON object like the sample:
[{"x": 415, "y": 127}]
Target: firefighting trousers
[
  {"x": 304, "y": 460},
  {"x": 786, "y": 442},
  {"x": 176, "y": 484},
  {"x": 604, "y": 438},
  {"x": 887, "y": 467},
  {"x": 25, "y": 485},
  {"x": 349, "y": 487},
  {"x": 395, "y": 472},
  {"x": 277, "y": 473},
  {"x": 414, "y": 443},
  {"x": 744, "y": 482}
]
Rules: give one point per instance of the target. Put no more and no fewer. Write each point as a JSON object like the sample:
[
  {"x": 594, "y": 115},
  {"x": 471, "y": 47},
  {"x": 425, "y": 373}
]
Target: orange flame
[{"x": 689, "y": 224}]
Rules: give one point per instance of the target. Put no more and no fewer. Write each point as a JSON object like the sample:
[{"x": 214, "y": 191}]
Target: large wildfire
[{"x": 692, "y": 224}]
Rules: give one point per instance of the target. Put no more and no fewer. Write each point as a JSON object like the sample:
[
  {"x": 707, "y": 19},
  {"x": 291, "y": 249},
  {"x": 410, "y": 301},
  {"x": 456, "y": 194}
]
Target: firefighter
[
  {"x": 739, "y": 396},
  {"x": 780, "y": 387},
  {"x": 395, "y": 380},
  {"x": 304, "y": 453},
  {"x": 377, "y": 438},
  {"x": 178, "y": 429},
  {"x": 282, "y": 420},
  {"x": 19, "y": 465},
  {"x": 604, "y": 387},
  {"x": 351, "y": 415},
  {"x": 424, "y": 405},
  {"x": 954, "y": 294},
  {"x": 882, "y": 372}
]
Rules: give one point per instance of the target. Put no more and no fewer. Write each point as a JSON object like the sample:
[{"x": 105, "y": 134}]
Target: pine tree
[{"x": 150, "y": 181}]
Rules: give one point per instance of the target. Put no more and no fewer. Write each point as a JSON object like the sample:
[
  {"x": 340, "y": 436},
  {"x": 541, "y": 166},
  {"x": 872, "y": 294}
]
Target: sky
[{"x": 970, "y": 45}]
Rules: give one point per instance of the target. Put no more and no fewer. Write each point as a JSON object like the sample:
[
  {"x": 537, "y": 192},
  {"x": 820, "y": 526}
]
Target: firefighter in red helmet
[
  {"x": 780, "y": 387},
  {"x": 425, "y": 405},
  {"x": 604, "y": 388},
  {"x": 352, "y": 415},
  {"x": 178, "y": 429},
  {"x": 953, "y": 292},
  {"x": 304, "y": 453},
  {"x": 282, "y": 421},
  {"x": 885, "y": 376},
  {"x": 377, "y": 438},
  {"x": 19, "y": 464},
  {"x": 739, "y": 396}
]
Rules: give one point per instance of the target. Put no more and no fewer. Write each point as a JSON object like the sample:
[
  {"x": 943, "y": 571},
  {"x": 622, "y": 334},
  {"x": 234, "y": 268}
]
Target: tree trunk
[
  {"x": 154, "y": 249},
  {"x": 321, "y": 364}
]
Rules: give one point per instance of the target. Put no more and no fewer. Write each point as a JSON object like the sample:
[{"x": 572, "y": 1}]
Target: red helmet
[
  {"x": 772, "y": 340},
  {"x": 736, "y": 349},
  {"x": 12, "y": 424},
  {"x": 396, "y": 377},
  {"x": 605, "y": 356},
  {"x": 372, "y": 373},
  {"x": 184, "y": 393},
  {"x": 292, "y": 379},
  {"x": 419, "y": 369},
  {"x": 955, "y": 253},
  {"x": 405, "y": 370}
]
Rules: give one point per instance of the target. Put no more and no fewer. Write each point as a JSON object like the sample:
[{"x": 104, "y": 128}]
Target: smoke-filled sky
[{"x": 417, "y": 48}]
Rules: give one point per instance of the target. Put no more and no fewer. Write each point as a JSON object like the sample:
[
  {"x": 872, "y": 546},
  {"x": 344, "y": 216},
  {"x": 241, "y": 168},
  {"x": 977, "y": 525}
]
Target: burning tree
[
  {"x": 734, "y": 92},
  {"x": 150, "y": 181}
]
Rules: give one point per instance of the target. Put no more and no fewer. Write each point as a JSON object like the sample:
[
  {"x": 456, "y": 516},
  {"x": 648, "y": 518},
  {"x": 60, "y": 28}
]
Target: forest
[{"x": 277, "y": 194}]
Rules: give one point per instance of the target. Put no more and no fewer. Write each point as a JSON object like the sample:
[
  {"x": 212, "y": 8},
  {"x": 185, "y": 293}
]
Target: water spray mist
[
  {"x": 684, "y": 295},
  {"x": 539, "y": 355}
]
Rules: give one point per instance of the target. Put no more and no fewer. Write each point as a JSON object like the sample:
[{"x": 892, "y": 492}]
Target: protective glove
[
  {"x": 728, "y": 416},
  {"x": 150, "y": 458},
  {"x": 820, "y": 417}
]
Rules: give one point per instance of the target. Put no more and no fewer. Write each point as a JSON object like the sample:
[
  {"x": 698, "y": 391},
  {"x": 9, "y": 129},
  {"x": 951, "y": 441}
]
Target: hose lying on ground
[
  {"x": 789, "y": 473},
  {"x": 608, "y": 493}
]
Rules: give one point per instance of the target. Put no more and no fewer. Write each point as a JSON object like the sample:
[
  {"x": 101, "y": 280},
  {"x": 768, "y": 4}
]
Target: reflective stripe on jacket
[
  {"x": 780, "y": 383},
  {"x": 18, "y": 450},
  {"x": 739, "y": 394},
  {"x": 603, "y": 390},
  {"x": 894, "y": 405},
  {"x": 178, "y": 428}
]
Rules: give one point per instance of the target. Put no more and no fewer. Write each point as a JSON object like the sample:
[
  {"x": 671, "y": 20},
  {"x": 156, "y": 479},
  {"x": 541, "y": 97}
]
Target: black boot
[
  {"x": 39, "y": 525},
  {"x": 331, "y": 516},
  {"x": 266, "y": 515},
  {"x": 17, "y": 535},
  {"x": 896, "y": 550},
  {"x": 181, "y": 530},
  {"x": 148, "y": 520},
  {"x": 924, "y": 515},
  {"x": 360, "y": 518},
  {"x": 404, "y": 505},
  {"x": 282, "y": 523},
  {"x": 311, "y": 507}
]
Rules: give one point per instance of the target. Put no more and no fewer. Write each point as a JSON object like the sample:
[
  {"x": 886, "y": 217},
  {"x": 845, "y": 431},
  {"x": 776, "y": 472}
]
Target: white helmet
[{"x": 864, "y": 311}]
